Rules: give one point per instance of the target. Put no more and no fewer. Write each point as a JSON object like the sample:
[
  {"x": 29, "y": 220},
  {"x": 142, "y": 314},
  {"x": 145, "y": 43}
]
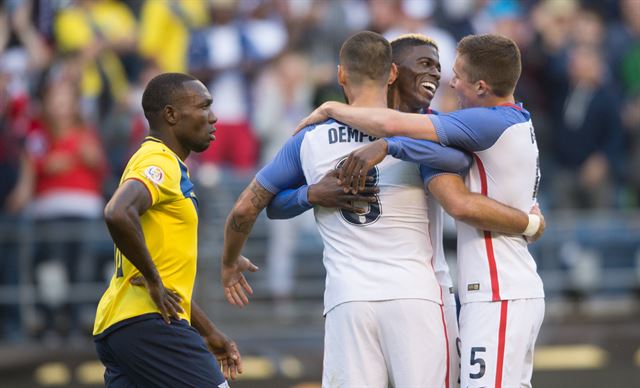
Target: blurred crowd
[{"x": 72, "y": 74}]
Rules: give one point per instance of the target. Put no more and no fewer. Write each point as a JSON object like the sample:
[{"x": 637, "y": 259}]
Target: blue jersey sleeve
[
  {"x": 289, "y": 203},
  {"x": 285, "y": 170},
  {"x": 428, "y": 153},
  {"x": 476, "y": 129},
  {"x": 428, "y": 173}
]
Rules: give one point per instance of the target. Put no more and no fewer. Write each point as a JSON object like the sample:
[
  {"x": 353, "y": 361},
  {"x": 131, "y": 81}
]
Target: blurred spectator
[
  {"x": 97, "y": 31},
  {"x": 237, "y": 47},
  {"x": 284, "y": 92},
  {"x": 23, "y": 54},
  {"x": 623, "y": 44},
  {"x": 166, "y": 29},
  {"x": 67, "y": 166},
  {"x": 588, "y": 139}
]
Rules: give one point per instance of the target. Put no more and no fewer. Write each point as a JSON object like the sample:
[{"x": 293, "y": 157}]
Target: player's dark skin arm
[
  {"x": 122, "y": 216},
  {"x": 236, "y": 231},
  {"x": 329, "y": 193},
  {"x": 224, "y": 349}
]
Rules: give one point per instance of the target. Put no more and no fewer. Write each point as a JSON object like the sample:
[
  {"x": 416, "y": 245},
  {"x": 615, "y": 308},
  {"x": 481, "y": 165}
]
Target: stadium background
[{"x": 268, "y": 63}]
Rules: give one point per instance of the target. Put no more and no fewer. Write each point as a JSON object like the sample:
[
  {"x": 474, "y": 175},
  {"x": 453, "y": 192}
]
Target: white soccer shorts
[
  {"x": 451, "y": 321},
  {"x": 497, "y": 341},
  {"x": 372, "y": 344}
]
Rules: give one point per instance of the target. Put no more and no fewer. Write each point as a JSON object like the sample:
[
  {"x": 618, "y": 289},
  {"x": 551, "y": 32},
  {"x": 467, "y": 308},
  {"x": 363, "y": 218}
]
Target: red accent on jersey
[
  {"x": 488, "y": 242},
  {"x": 511, "y": 105},
  {"x": 501, "y": 342}
]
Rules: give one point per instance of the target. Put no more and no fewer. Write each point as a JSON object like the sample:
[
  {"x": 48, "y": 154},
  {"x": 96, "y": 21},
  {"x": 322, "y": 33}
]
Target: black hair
[{"x": 162, "y": 91}]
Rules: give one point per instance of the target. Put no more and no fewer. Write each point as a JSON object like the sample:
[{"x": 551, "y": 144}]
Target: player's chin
[
  {"x": 424, "y": 99},
  {"x": 202, "y": 146}
]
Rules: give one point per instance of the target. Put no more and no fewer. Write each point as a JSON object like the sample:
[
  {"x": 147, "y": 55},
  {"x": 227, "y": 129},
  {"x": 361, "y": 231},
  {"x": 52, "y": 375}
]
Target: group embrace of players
[{"x": 377, "y": 173}]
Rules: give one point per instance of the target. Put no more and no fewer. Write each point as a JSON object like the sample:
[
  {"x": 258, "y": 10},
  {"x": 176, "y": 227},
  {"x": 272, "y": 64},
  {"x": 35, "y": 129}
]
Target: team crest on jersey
[
  {"x": 154, "y": 174},
  {"x": 473, "y": 287}
]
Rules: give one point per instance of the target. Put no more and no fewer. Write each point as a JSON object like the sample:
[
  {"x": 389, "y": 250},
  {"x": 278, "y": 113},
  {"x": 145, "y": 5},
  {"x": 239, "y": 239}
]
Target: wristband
[{"x": 533, "y": 226}]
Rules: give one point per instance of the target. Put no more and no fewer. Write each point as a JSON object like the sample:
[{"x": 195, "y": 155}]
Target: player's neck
[
  {"x": 371, "y": 96},
  {"x": 172, "y": 143},
  {"x": 495, "y": 100},
  {"x": 368, "y": 99},
  {"x": 396, "y": 102}
]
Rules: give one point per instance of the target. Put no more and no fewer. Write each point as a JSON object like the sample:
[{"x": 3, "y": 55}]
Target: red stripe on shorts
[{"x": 502, "y": 331}]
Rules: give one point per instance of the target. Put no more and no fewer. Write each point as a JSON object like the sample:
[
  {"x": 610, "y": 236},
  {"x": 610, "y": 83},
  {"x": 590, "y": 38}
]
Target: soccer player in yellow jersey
[{"x": 156, "y": 335}]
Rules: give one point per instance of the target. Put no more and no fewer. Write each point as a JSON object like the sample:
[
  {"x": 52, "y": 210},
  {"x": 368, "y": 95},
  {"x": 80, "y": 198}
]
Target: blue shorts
[{"x": 149, "y": 353}]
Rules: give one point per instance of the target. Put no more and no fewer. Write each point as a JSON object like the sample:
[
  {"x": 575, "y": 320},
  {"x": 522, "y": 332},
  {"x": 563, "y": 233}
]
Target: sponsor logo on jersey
[
  {"x": 473, "y": 287},
  {"x": 154, "y": 174}
]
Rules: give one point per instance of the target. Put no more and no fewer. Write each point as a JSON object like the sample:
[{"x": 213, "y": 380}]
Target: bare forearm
[
  {"x": 200, "y": 321},
  {"x": 383, "y": 122},
  {"x": 368, "y": 120},
  {"x": 126, "y": 232},
  {"x": 236, "y": 232},
  {"x": 475, "y": 209},
  {"x": 241, "y": 219},
  {"x": 487, "y": 214}
]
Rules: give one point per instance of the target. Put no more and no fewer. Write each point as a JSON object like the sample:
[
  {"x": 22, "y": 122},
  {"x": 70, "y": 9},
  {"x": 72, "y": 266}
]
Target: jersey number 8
[{"x": 372, "y": 210}]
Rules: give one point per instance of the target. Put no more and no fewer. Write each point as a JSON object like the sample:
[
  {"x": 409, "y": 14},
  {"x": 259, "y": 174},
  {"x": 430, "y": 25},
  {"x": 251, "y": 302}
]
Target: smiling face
[
  {"x": 195, "y": 131},
  {"x": 419, "y": 76}
]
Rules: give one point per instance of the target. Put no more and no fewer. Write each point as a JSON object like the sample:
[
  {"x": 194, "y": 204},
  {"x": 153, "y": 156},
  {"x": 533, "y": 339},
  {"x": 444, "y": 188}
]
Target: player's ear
[
  {"x": 393, "y": 74},
  {"x": 342, "y": 77},
  {"x": 482, "y": 88},
  {"x": 170, "y": 114}
]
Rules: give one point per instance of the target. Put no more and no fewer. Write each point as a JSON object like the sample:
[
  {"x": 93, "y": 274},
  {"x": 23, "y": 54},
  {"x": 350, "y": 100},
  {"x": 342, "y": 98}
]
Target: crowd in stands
[{"x": 72, "y": 74}]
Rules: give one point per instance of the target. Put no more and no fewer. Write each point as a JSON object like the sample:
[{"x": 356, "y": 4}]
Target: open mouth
[{"x": 430, "y": 87}]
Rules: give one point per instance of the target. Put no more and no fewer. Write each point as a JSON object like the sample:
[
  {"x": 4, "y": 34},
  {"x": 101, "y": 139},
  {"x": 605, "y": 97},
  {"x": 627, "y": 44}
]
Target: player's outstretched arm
[
  {"x": 223, "y": 348},
  {"x": 122, "y": 216},
  {"x": 482, "y": 212},
  {"x": 378, "y": 122},
  {"x": 236, "y": 231}
]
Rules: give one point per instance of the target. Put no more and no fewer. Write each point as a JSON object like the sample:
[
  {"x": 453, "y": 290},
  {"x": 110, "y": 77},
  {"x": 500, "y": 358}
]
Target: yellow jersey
[{"x": 170, "y": 231}]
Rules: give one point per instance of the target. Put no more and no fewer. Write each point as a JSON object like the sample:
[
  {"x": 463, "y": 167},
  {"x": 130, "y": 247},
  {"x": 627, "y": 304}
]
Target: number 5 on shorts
[{"x": 477, "y": 360}]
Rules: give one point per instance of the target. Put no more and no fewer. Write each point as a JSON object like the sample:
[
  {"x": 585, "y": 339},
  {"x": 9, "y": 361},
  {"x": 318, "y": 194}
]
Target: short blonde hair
[
  {"x": 401, "y": 45},
  {"x": 415, "y": 39}
]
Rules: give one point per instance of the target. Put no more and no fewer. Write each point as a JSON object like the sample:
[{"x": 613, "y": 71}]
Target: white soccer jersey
[
  {"x": 383, "y": 254},
  {"x": 386, "y": 253},
  {"x": 436, "y": 226},
  {"x": 492, "y": 266}
]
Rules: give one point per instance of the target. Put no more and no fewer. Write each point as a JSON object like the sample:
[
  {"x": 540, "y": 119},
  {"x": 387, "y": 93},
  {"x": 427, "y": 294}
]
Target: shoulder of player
[
  {"x": 321, "y": 125},
  {"x": 159, "y": 156},
  {"x": 495, "y": 116}
]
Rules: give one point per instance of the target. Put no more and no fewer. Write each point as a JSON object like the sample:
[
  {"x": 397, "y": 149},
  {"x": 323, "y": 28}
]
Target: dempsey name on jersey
[{"x": 344, "y": 134}]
